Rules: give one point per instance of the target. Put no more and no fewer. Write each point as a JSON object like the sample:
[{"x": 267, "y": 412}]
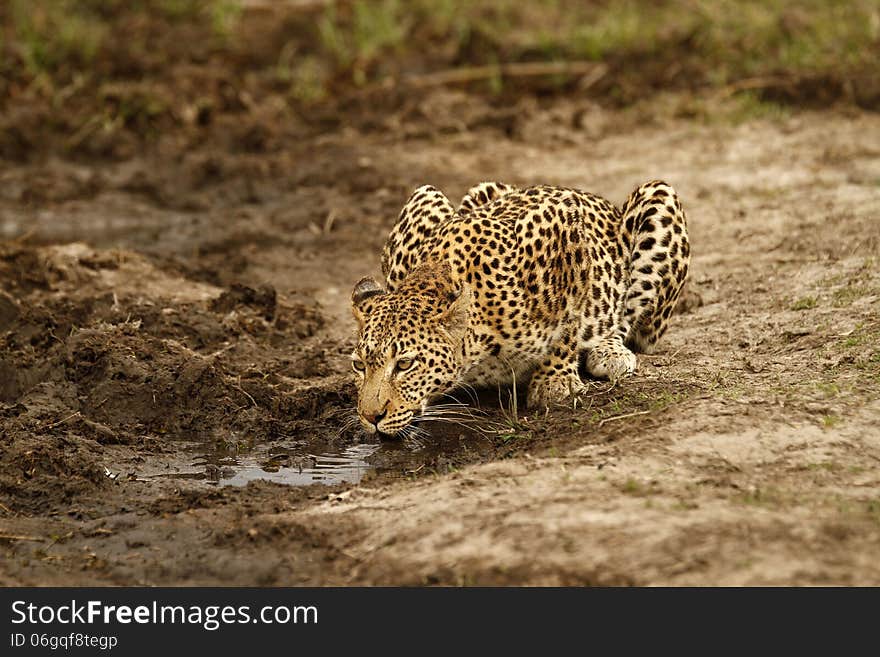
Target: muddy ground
[{"x": 174, "y": 333}]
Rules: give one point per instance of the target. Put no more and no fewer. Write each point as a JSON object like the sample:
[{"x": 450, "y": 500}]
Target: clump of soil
[{"x": 103, "y": 348}]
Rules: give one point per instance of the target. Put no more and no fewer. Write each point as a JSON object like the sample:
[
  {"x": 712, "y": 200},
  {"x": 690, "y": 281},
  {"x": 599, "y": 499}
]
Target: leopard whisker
[
  {"x": 461, "y": 407},
  {"x": 412, "y": 436},
  {"x": 470, "y": 390},
  {"x": 448, "y": 414},
  {"x": 351, "y": 422},
  {"x": 456, "y": 399},
  {"x": 465, "y": 424},
  {"x": 457, "y": 411}
]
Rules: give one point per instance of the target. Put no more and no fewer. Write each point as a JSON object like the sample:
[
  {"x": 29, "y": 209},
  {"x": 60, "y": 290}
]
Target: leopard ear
[
  {"x": 364, "y": 289},
  {"x": 455, "y": 318}
]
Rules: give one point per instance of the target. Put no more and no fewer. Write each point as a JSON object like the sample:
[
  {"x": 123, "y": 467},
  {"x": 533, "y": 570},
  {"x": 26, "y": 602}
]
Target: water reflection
[{"x": 346, "y": 466}]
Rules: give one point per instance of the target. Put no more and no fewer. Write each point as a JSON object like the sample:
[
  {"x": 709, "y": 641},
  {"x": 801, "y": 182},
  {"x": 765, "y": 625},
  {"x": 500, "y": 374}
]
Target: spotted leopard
[{"x": 516, "y": 284}]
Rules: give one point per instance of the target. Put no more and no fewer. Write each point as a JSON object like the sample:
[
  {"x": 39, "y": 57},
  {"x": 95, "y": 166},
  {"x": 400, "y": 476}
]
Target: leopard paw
[
  {"x": 554, "y": 389},
  {"x": 611, "y": 360}
]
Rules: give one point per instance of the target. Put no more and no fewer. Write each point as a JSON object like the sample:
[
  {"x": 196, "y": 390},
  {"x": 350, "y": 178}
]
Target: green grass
[
  {"x": 65, "y": 36},
  {"x": 828, "y": 389},
  {"x": 848, "y": 287},
  {"x": 306, "y": 76},
  {"x": 91, "y": 70},
  {"x": 632, "y": 487},
  {"x": 761, "y": 497},
  {"x": 805, "y": 303},
  {"x": 221, "y": 14},
  {"x": 636, "y": 488},
  {"x": 862, "y": 335},
  {"x": 626, "y": 26},
  {"x": 634, "y": 398},
  {"x": 374, "y": 28},
  {"x": 828, "y": 466},
  {"x": 859, "y": 509},
  {"x": 748, "y": 38},
  {"x": 846, "y": 296},
  {"x": 666, "y": 398},
  {"x": 363, "y": 41},
  {"x": 830, "y": 421},
  {"x": 52, "y": 34},
  {"x": 748, "y": 106}
]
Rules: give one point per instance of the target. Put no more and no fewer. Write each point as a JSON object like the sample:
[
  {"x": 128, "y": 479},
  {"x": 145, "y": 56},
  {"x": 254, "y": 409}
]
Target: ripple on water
[{"x": 348, "y": 465}]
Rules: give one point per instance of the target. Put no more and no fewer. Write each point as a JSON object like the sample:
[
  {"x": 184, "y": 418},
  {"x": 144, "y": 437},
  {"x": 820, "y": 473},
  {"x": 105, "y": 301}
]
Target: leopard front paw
[
  {"x": 611, "y": 361},
  {"x": 554, "y": 389}
]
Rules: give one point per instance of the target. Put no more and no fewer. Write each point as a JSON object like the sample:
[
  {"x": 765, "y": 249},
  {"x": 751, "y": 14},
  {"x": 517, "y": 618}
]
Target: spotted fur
[{"x": 515, "y": 283}]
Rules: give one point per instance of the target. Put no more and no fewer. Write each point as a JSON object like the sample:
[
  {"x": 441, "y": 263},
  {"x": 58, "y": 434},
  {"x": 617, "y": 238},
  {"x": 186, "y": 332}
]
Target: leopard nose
[{"x": 376, "y": 418}]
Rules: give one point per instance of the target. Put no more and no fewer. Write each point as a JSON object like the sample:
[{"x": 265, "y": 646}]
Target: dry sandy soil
[{"x": 177, "y": 323}]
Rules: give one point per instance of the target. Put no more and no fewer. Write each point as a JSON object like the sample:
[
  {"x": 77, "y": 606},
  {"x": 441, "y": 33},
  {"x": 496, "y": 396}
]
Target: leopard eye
[
  {"x": 358, "y": 365},
  {"x": 404, "y": 364}
]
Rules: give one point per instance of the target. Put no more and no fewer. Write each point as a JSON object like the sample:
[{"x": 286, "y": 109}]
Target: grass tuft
[
  {"x": 805, "y": 303},
  {"x": 763, "y": 57}
]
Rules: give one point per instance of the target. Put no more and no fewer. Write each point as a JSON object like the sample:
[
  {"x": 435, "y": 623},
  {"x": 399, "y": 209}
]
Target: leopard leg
[
  {"x": 556, "y": 379},
  {"x": 603, "y": 328},
  {"x": 655, "y": 226}
]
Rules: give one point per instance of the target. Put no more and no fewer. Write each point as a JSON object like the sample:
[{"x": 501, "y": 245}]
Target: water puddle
[
  {"x": 298, "y": 465},
  {"x": 316, "y": 461},
  {"x": 346, "y": 466}
]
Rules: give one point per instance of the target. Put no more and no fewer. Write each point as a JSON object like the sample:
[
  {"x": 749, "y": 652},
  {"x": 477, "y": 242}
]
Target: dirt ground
[{"x": 175, "y": 324}]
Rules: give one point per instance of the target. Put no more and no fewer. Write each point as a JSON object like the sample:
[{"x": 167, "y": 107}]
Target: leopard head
[{"x": 410, "y": 346}]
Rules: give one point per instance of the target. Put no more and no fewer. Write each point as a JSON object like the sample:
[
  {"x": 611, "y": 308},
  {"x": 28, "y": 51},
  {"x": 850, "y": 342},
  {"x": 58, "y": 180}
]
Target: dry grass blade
[
  {"x": 622, "y": 417},
  {"x": 21, "y": 537}
]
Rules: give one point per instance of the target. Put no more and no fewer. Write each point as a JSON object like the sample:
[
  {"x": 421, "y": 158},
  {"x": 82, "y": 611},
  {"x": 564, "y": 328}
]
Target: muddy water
[
  {"x": 347, "y": 465},
  {"x": 311, "y": 461},
  {"x": 302, "y": 464}
]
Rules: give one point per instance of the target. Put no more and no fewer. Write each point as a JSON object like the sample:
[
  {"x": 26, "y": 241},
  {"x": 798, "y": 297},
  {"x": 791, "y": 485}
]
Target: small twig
[
  {"x": 621, "y": 417},
  {"x": 220, "y": 351},
  {"x": 101, "y": 531},
  {"x": 245, "y": 393},
  {"x": 7, "y": 509},
  {"x": 58, "y": 539},
  {"x": 517, "y": 69},
  {"x": 25, "y": 236},
  {"x": 60, "y": 422},
  {"x": 84, "y": 131},
  {"x": 675, "y": 353},
  {"x": 16, "y": 537},
  {"x": 748, "y": 84}
]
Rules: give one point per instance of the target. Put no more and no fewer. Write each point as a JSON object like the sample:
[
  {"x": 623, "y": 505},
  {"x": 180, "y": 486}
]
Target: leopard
[{"x": 532, "y": 284}]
